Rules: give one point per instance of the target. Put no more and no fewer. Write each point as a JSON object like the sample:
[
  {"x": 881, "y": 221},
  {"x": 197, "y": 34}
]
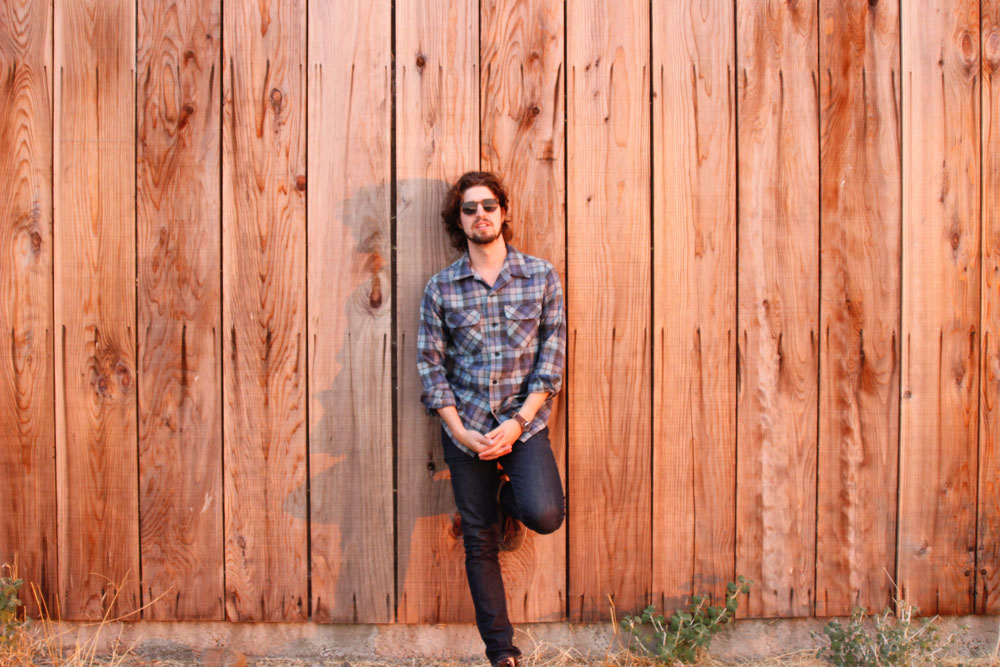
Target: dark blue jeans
[{"x": 534, "y": 497}]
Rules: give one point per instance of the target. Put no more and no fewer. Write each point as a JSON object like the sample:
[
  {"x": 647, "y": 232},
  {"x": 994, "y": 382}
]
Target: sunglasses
[{"x": 489, "y": 205}]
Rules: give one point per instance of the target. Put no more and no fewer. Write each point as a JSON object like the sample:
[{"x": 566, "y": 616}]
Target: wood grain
[
  {"x": 859, "y": 359},
  {"x": 350, "y": 303},
  {"x": 694, "y": 308},
  {"x": 437, "y": 132},
  {"x": 778, "y": 304},
  {"x": 987, "y": 589},
  {"x": 27, "y": 419},
  {"x": 608, "y": 306},
  {"x": 940, "y": 288},
  {"x": 180, "y": 384},
  {"x": 264, "y": 287},
  {"x": 523, "y": 140},
  {"x": 94, "y": 191}
]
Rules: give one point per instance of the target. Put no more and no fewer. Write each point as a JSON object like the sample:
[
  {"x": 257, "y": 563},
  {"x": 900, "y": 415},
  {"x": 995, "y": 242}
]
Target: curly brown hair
[{"x": 451, "y": 212}]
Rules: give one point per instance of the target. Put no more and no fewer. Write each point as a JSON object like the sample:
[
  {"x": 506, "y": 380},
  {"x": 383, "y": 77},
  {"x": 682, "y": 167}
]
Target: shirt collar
[{"x": 513, "y": 262}]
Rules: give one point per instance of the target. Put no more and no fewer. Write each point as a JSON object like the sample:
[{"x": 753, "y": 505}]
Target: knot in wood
[
  {"x": 969, "y": 52},
  {"x": 300, "y": 183},
  {"x": 124, "y": 376},
  {"x": 991, "y": 50},
  {"x": 421, "y": 61},
  {"x": 36, "y": 242},
  {"x": 276, "y": 99}
]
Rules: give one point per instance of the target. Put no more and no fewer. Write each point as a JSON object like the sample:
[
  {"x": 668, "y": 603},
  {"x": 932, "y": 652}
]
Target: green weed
[
  {"x": 884, "y": 640},
  {"x": 688, "y": 632},
  {"x": 11, "y": 619}
]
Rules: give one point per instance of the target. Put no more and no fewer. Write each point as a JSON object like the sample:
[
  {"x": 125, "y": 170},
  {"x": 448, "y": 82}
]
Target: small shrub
[
  {"x": 9, "y": 605},
  {"x": 885, "y": 640},
  {"x": 688, "y": 631}
]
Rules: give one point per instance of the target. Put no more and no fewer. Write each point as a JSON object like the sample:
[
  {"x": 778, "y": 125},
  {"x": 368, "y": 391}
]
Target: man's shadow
[{"x": 350, "y": 486}]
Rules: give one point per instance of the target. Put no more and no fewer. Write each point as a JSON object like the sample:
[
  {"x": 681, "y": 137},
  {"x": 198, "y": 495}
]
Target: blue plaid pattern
[{"x": 484, "y": 350}]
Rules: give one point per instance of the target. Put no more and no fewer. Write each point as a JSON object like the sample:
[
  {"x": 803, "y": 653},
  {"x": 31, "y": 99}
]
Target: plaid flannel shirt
[{"x": 485, "y": 349}]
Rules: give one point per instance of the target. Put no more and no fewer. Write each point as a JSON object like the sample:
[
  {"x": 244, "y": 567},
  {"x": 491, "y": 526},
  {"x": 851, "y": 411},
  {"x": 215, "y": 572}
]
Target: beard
[{"x": 484, "y": 237}]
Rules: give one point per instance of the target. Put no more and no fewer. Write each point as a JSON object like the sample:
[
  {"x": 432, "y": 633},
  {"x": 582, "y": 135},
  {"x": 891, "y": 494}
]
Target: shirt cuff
[
  {"x": 438, "y": 398},
  {"x": 549, "y": 386}
]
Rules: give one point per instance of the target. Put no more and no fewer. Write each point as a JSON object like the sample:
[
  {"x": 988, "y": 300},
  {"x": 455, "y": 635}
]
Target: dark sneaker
[
  {"x": 509, "y": 661},
  {"x": 512, "y": 531}
]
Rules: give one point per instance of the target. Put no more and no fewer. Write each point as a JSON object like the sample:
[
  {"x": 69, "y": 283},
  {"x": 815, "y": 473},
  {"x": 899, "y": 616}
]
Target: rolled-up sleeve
[
  {"x": 431, "y": 345},
  {"x": 548, "y": 372}
]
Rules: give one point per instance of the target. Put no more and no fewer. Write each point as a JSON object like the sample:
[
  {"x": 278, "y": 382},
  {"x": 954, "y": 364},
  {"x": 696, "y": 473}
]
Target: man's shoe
[
  {"x": 512, "y": 531},
  {"x": 509, "y": 661}
]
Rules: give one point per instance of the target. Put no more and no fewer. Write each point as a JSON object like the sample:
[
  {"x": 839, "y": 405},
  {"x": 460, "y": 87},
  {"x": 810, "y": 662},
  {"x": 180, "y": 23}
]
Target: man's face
[{"x": 482, "y": 227}]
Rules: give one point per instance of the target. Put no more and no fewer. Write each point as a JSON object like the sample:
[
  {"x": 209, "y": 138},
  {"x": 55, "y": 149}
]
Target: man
[{"x": 490, "y": 355}]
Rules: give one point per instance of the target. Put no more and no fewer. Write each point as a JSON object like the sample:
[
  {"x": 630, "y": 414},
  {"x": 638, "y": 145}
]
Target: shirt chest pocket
[
  {"x": 522, "y": 323},
  {"x": 466, "y": 330}
]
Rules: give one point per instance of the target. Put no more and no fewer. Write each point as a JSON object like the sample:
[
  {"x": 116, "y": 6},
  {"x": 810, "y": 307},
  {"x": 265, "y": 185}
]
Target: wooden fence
[{"x": 776, "y": 226}]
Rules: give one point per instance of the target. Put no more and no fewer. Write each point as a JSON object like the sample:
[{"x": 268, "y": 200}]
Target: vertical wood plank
[
  {"x": 437, "y": 131},
  {"x": 940, "y": 303},
  {"x": 180, "y": 383},
  {"x": 350, "y": 301},
  {"x": 94, "y": 195},
  {"x": 27, "y": 419},
  {"x": 988, "y": 548},
  {"x": 778, "y": 304},
  {"x": 608, "y": 301},
  {"x": 694, "y": 309},
  {"x": 859, "y": 359},
  {"x": 264, "y": 286},
  {"x": 523, "y": 140}
]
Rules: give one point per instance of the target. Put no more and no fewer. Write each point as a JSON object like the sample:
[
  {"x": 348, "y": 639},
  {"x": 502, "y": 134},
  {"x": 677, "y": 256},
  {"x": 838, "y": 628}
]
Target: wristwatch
[{"x": 522, "y": 422}]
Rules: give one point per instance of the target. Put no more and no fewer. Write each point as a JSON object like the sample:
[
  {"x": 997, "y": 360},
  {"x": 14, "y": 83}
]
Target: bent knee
[{"x": 546, "y": 520}]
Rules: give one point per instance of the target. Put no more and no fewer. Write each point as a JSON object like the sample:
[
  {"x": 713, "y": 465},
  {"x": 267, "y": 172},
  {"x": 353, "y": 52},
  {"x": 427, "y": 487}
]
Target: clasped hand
[{"x": 498, "y": 442}]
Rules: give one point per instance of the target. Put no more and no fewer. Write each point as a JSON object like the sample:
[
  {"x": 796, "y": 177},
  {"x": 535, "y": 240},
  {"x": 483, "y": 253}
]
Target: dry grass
[
  {"x": 46, "y": 642},
  {"x": 43, "y": 641}
]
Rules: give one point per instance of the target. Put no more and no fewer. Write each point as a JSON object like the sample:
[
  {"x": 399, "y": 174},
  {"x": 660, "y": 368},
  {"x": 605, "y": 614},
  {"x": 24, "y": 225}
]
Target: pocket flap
[
  {"x": 461, "y": 318},
  {"x": 523, "y": 311}
]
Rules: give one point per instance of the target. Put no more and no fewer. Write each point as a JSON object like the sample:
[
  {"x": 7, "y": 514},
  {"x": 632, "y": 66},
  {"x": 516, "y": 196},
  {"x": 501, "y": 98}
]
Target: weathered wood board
[
  {"x": 437, "y": 134},
  {"x": 350, "y": 303},
  {"x": 608, "y": 304},
  {"x": 694, "y": 308},
  {"x": 778, "y": 304},
  {"x": 940, "y": 303},
  {"x": 859, "y": 346},
  {"x": 988, "y": 548},
  {"x": 263, "y": 311},
  {"x": 523, "y": 140},
  {"x": 180, "y": 371},
  {"x": 95, "y": 319},
  {"x": 27, "y": 417}
]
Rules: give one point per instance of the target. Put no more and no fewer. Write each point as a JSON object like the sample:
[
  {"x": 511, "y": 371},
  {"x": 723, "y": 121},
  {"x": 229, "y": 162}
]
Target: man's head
[{"x": 465, "y": 213}]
